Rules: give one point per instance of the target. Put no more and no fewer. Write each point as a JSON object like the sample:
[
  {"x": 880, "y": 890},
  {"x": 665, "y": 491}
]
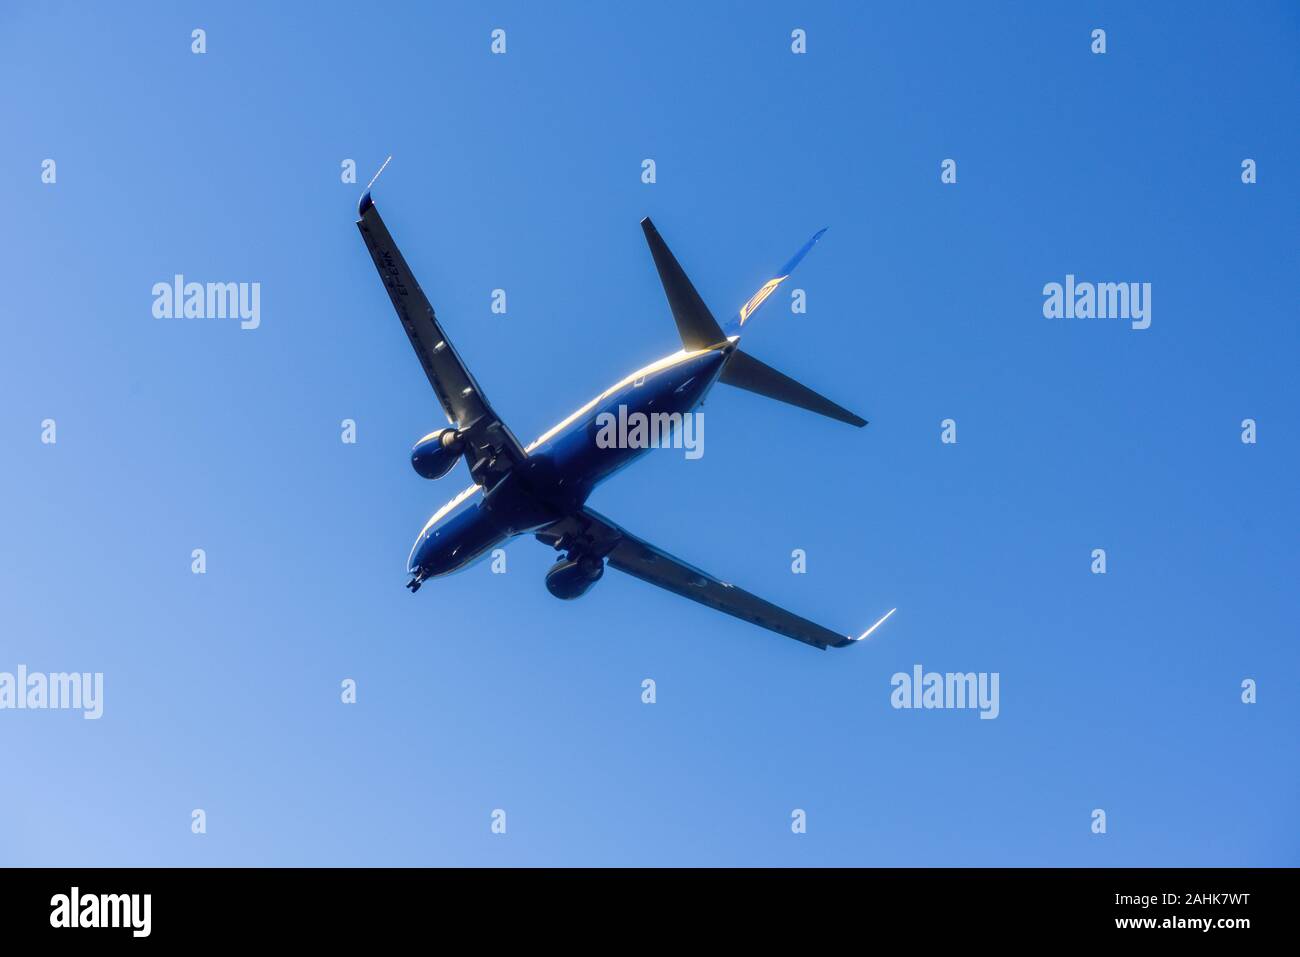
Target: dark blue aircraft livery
[{"x": 542, "y": 489}]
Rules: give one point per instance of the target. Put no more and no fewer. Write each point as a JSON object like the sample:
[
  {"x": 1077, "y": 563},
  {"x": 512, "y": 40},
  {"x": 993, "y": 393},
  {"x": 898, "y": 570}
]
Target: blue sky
[{"x": 1120, "y": 692}]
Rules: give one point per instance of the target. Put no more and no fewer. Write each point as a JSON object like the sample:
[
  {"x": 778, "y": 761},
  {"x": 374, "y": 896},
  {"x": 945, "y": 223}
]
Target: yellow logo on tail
[{"x": 758, "y": 298}]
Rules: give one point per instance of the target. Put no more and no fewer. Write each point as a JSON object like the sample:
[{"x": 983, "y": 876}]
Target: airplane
[{"x": 542, "y": 489}]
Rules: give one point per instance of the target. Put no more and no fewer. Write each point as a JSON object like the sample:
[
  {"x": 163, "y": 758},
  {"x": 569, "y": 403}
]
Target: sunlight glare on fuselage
[{"x": 659, "y": 365}]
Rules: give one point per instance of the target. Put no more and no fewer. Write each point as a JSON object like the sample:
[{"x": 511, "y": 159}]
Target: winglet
[
  {"x": 366, "y": 202},
  {"x": 868, "y": 632}
]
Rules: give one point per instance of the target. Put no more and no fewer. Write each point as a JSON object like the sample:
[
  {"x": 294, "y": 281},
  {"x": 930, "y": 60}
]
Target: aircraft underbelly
[
  {"x": 558, "y": 476},
  {"x": 608, "y": 441}
]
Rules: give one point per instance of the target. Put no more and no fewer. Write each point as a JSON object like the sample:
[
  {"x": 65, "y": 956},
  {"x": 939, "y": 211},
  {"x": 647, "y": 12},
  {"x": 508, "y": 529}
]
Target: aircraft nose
[
  {"x": 434, "y": 554},
  {"x": 420, "y": 558}
]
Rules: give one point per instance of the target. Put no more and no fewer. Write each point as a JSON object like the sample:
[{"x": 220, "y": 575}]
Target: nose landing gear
[{"x": 415, "y": 583}]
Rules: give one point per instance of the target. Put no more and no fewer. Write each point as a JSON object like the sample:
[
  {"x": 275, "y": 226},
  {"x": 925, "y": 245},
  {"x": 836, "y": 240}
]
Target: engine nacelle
[
  {"x": 436, "y": 453},
  {"x": 570, "y": 578}
]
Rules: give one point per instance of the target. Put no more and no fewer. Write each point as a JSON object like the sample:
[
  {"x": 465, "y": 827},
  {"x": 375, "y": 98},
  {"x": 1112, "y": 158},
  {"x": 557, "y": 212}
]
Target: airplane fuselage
[
  {"x": 564, "y": 465},
  {"x": 542, "y": 489}
]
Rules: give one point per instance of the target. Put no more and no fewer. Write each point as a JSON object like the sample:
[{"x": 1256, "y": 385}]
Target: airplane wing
[
  {"x": 490, "y": 448},
  {"x": 591, "y": 533}
]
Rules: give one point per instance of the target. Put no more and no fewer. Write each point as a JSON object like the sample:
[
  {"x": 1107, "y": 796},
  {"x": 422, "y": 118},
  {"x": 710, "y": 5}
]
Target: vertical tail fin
[
  {"x": 747, "y": 311},
  {"x": 745, "y": 372},
  {"x": 699, "y": 330}
]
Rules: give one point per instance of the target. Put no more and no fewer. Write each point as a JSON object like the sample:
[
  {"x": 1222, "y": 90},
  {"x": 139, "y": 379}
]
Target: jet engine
[
  {"x": 435, "y": 454},
  {"x": 570, "y": 578}
]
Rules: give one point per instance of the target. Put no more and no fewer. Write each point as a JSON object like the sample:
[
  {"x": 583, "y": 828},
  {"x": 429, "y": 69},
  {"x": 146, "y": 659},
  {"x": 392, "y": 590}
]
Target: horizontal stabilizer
[
  {"x": 745, "y": 372},
  {"x": 695, "y": 324}
]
